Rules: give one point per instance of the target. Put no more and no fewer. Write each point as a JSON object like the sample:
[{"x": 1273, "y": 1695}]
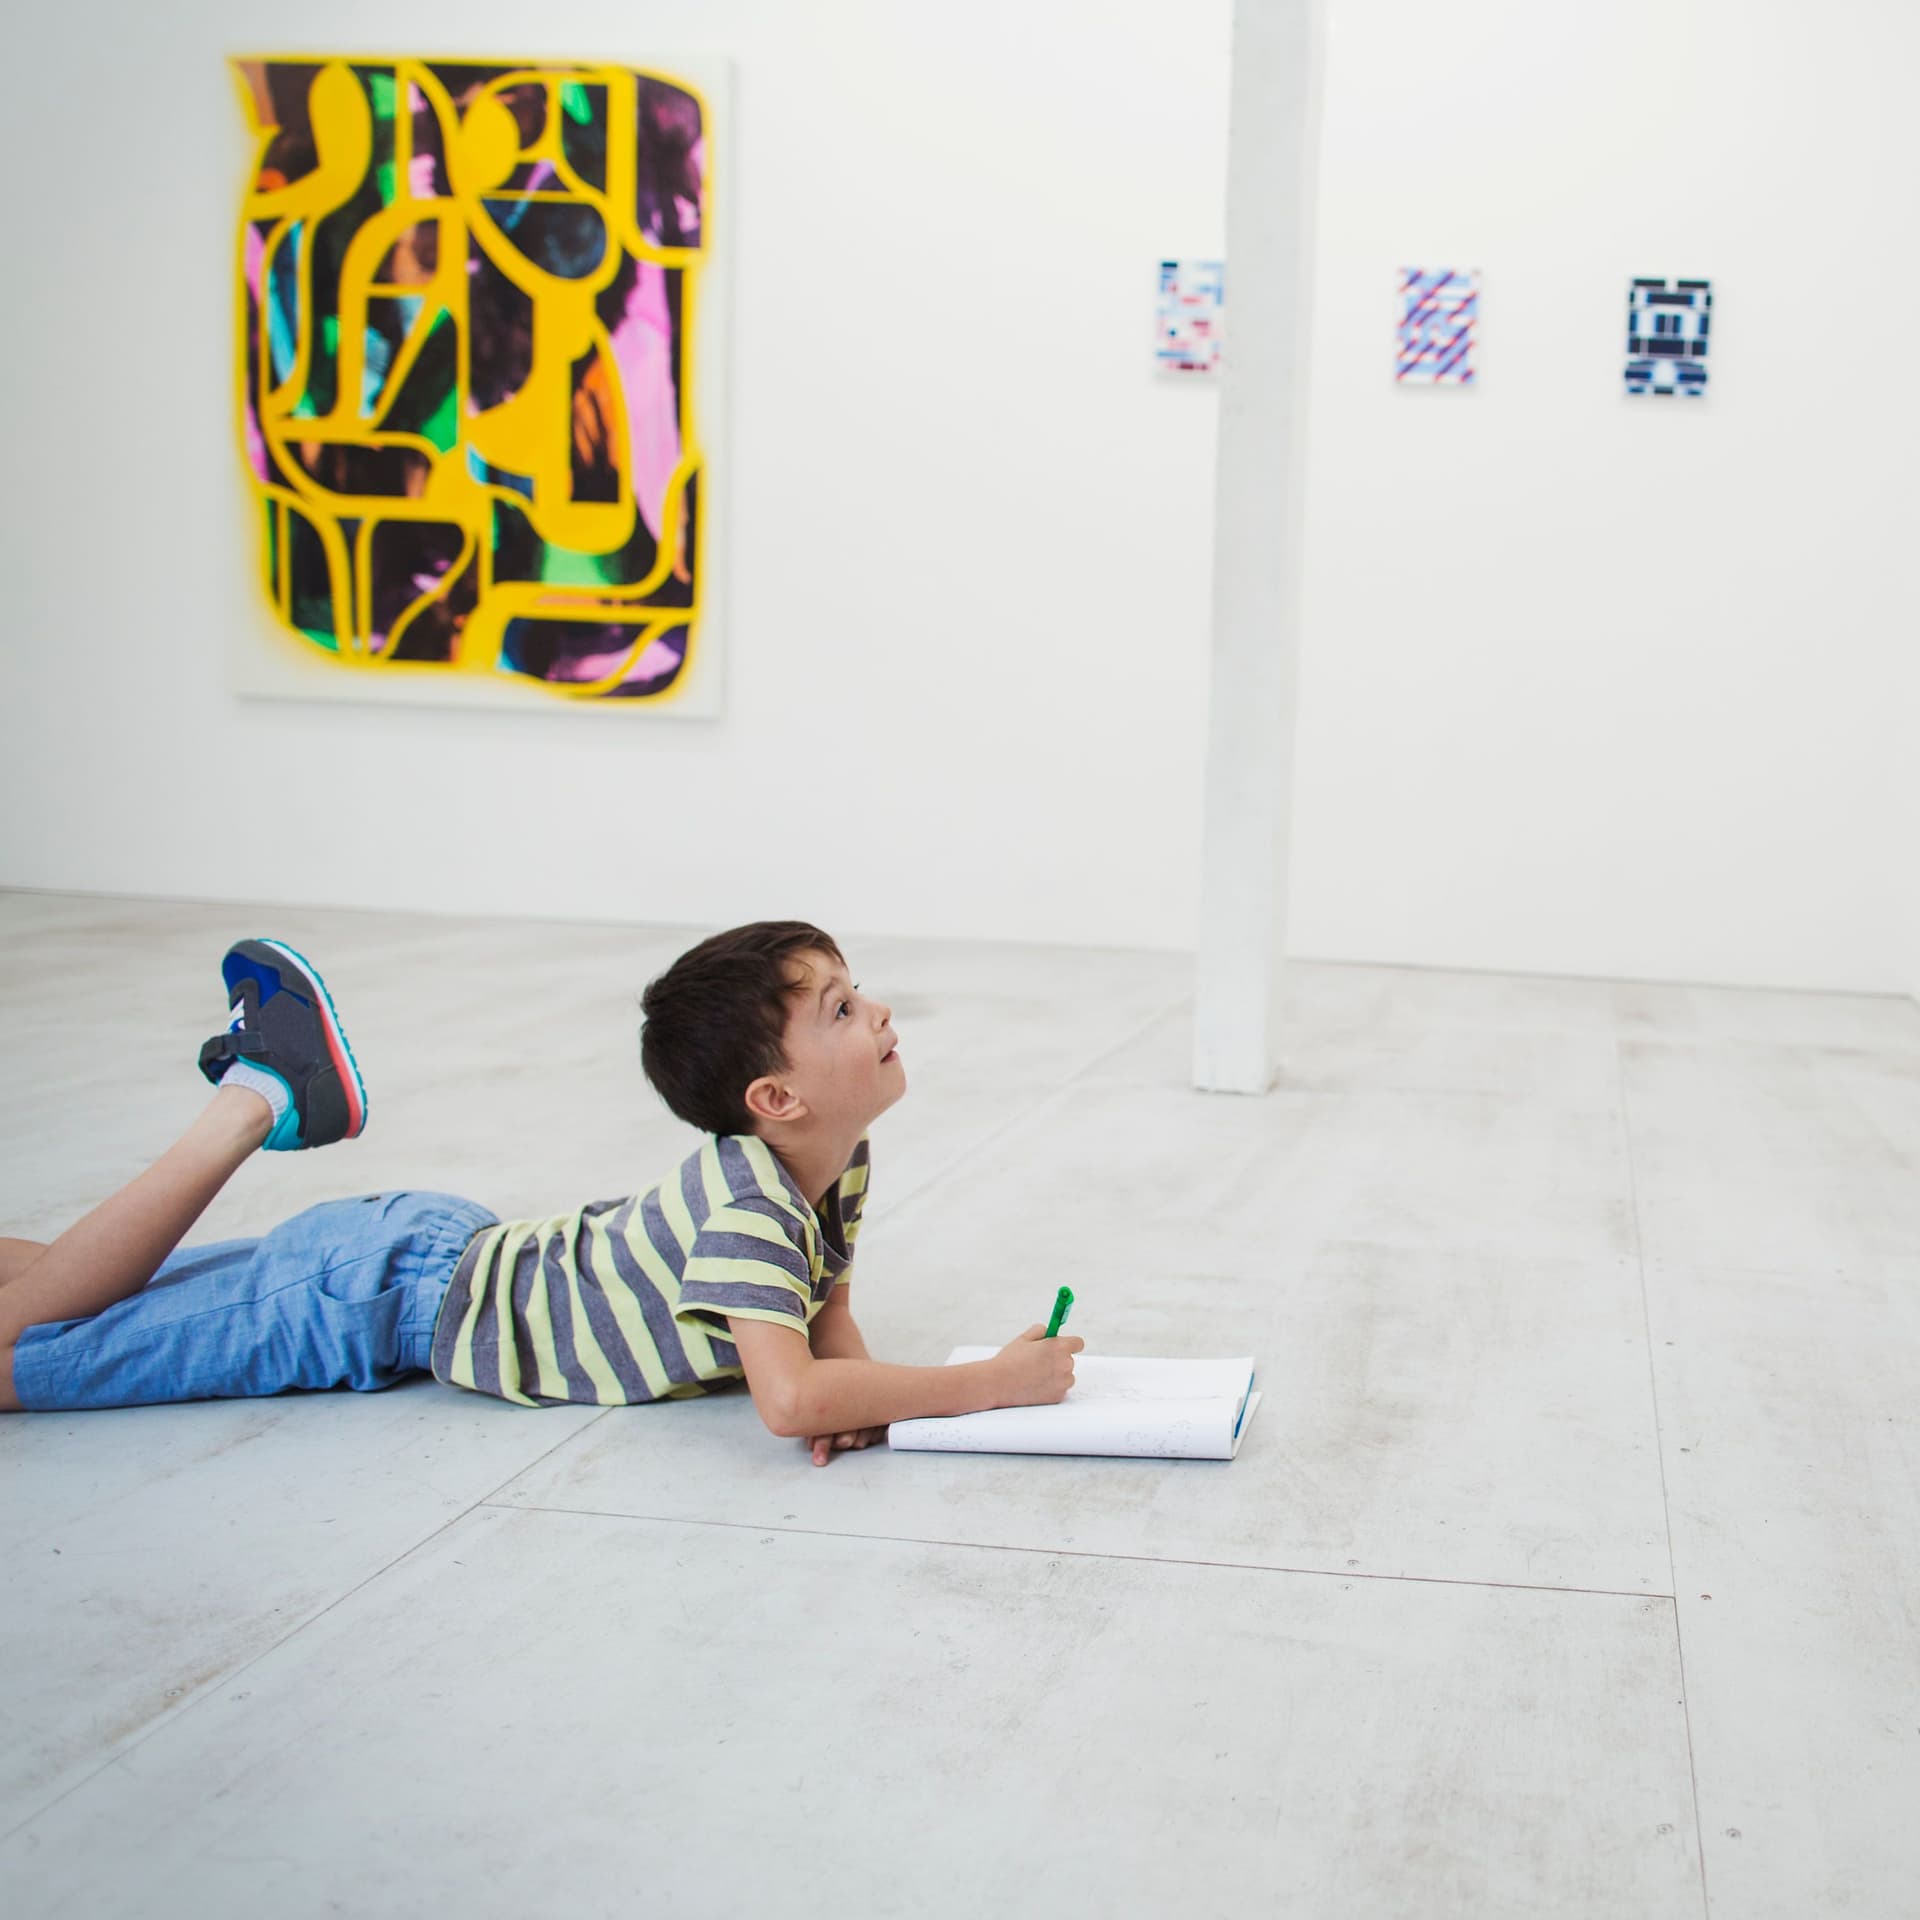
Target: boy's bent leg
[
  {"x": 117, "y": 1248},
  {"x": 287, "y": 1080},
  {"x": 16, "y": 1256},
  {"x": 343, "y": 1295}
]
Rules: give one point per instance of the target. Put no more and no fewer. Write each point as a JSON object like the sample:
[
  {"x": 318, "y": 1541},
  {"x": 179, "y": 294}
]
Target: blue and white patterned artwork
[
  {"x": 1667, "y": 328},
  {"x": 1439, "y": 310},
  {"x": 1188, "y": 318}
]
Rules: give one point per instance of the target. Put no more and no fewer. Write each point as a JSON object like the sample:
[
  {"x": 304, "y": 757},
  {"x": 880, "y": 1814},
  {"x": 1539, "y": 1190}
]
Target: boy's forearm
[{"x": 836, "y": 1396}]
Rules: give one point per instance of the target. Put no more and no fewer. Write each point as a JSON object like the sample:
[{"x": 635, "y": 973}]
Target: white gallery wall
[
  {"x": 965, "y": 532},
  {"x": 1587, "y": 684},
  {"x": 1603, "y": 685}
]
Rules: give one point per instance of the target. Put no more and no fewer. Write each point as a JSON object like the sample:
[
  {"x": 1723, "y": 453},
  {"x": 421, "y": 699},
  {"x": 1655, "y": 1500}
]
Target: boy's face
[{"x": 842, "y": 1057}]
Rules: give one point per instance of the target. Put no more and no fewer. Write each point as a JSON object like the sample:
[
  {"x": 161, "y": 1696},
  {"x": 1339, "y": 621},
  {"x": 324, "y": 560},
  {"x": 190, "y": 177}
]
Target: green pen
[{"x": 1061, "y": 1302}]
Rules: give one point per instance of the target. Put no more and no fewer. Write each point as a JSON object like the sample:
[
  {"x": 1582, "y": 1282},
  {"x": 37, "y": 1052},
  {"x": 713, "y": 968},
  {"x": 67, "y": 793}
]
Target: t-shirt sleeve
[{"x": 746, "y": 1265}]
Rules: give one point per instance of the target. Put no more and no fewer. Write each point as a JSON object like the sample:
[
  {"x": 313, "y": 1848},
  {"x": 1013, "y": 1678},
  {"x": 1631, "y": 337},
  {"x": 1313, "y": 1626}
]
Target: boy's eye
[{"x": 846, "y": 1006}]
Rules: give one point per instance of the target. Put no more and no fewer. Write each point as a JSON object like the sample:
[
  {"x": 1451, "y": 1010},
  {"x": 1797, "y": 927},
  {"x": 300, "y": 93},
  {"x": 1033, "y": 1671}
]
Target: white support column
[{"x": 1273, "y": 148}]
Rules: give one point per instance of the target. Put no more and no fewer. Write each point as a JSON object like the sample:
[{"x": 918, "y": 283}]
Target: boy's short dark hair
[{"x": 716, "y": 1020}]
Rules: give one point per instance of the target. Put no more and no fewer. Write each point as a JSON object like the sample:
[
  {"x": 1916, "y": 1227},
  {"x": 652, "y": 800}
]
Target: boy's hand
[
  {"x": 1036, "y": 1371},
  {"x": 826, "y": 1445}
]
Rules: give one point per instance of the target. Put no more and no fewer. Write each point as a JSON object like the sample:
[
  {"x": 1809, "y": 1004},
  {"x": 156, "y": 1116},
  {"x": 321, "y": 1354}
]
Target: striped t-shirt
[{"x": 629, "y": 1300}]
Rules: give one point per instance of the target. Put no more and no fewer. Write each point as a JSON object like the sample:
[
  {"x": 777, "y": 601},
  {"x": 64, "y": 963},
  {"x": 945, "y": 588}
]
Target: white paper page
[{"x": 1167, "y": 1409}]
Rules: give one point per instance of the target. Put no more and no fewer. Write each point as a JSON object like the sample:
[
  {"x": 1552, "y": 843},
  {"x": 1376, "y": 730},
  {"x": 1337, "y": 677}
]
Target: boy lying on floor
[{"x": 736, "y": 1266}]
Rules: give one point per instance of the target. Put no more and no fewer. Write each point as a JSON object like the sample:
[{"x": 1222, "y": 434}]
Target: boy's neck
[{"x": 814, "y": 1162}]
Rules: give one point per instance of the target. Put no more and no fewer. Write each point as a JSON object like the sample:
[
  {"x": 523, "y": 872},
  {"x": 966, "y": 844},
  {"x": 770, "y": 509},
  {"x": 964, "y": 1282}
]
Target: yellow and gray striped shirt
[{"x": 628, "y": 1300}]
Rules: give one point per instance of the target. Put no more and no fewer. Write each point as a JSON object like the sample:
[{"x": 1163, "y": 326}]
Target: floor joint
[
  {"x": 1660, "y": 1457},
  {"x": 1071, "y": 1553}
]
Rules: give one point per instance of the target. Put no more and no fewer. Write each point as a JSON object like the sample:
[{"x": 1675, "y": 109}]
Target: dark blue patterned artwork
[{"x": 1668, "y": 323}]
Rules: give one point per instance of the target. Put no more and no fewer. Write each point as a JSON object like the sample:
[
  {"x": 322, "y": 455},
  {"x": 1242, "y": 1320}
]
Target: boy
[{"x": 736, "y": 1266}]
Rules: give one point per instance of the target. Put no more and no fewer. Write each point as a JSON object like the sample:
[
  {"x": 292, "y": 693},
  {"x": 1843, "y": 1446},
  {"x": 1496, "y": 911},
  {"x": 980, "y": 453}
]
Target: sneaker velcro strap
[{"x": 225, "y": 1048}]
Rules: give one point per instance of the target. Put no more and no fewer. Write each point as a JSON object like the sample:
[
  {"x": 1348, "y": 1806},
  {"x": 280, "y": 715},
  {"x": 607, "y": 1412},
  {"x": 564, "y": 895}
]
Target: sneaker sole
[{"x": 338, "y": 1048}]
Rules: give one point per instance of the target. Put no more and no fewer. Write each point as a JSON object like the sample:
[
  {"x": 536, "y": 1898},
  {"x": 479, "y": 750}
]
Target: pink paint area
[
  {"x": 422, "y": 170},
  {"x": 581, "y": 669},
  {"x": 643, "y": 352},
  {"x": 256, "y": 446},
  {"x": 256, "y": 256},
  {"x": 656, "y": 658}
]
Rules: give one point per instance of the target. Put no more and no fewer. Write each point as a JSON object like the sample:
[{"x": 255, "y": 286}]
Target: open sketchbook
[{"x": 1159, "y": 1409}]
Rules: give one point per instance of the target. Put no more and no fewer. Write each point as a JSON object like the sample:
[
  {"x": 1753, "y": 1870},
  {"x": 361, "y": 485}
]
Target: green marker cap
[{"x": 1061, "y": 1302}]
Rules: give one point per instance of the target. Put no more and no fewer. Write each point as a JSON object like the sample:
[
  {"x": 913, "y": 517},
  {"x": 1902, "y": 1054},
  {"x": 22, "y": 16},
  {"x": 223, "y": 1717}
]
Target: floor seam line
[
  {"x": 1132, "y": 1038},
  {"x": 935, "y": 1181},
  {"x": 200, "y": 1699},
  {"x": 1660, "y": 1459},
  {"x": 1075, "y": 1553}
]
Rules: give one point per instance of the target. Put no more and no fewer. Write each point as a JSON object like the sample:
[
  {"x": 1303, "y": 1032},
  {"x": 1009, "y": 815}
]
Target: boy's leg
[
  {"x": 346, "y": 1294},
  {"x": 296, "y": 1087},
  {"x": 16, "y": 1256},
  {"x": 117, "y": 1248}
]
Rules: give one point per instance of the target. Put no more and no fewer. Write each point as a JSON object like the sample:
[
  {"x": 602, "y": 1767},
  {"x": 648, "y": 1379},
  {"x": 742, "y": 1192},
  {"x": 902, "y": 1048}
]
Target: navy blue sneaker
[{"x": 284, "y": 1024}]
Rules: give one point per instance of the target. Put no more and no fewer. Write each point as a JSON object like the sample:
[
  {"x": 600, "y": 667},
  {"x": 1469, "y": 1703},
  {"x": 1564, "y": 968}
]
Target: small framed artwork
[
  {"x": 1189, "y": 316},
  {"x": 1669, "y": 323},
  {"x": 1439, "y": 317}
]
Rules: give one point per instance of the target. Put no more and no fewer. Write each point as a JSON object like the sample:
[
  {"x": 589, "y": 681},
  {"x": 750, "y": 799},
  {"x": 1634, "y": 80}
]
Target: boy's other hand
[
  {"x": 826, "y": 1445},
  {"x": 1036, "y": 1371}
]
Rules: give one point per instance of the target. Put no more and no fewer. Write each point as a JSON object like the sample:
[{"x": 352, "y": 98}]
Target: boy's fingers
[
  {"x": 824, "y": 1446},
  {"x": 1035, "y": 1332},
  {"x": 1071, "y": 1341}
]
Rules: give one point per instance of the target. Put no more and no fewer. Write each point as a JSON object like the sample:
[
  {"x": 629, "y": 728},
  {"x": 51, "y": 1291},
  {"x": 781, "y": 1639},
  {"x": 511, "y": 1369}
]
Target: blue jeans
[{"x": 343, "y": 1295}]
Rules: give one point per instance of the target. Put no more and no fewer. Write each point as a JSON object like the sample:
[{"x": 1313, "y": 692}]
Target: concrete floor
[{"x": 1572, "y": 1566}]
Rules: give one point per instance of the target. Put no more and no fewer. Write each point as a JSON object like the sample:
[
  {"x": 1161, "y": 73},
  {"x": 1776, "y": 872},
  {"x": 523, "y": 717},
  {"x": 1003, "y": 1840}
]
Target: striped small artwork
[{"x": 1439, "y": 312}]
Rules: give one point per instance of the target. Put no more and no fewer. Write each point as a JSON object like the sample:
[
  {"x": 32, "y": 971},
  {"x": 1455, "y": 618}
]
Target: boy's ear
[{"x": 768, "y": 1100}]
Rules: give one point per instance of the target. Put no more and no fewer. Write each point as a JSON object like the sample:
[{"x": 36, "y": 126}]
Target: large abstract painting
[{"x": 474, "y": 405}]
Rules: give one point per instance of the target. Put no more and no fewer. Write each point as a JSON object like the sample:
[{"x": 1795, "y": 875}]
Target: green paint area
[
  {"x": 428, "y": 400},
  {"x": 321, "y": 637},
  {"x": 382, "y": 96},
  {"x": 561, "y": 568},
  {"x": 574, "y": 102},
  {"x": 443, "y": 426}
]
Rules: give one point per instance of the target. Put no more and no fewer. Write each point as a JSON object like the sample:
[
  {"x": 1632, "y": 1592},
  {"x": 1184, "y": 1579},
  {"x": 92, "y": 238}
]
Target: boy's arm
[
  {"x": 801, "y": 1394},
  {"x": 833, "y": 1335}
]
